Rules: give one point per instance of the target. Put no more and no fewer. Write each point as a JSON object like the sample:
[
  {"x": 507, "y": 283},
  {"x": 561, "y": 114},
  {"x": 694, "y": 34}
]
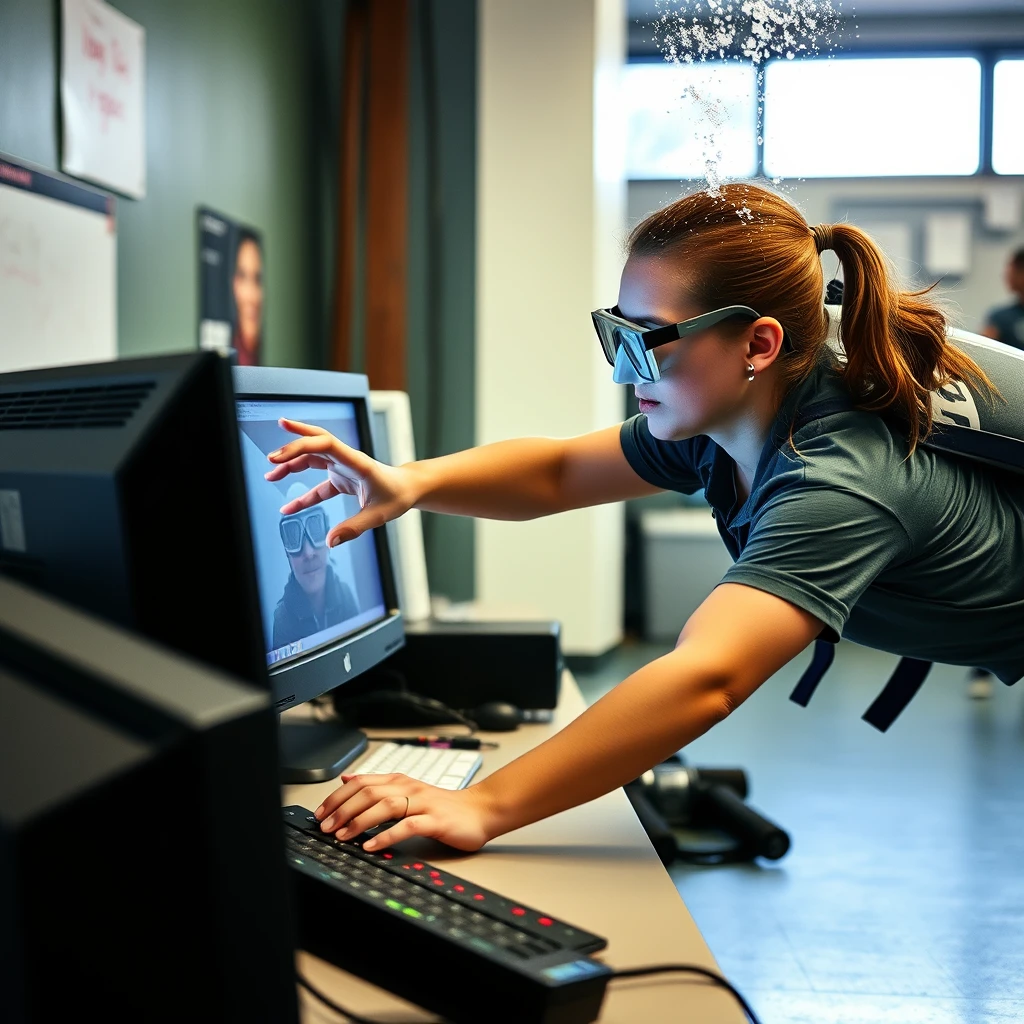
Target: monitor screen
[
  {"x": 329, "y": 615},
  {"x": 311, "y": 595}
]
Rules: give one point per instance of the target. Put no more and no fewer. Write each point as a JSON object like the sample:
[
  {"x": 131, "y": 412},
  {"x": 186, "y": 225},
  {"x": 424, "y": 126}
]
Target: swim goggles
[
  {"x": 311, "y": 523},
  {"x": 627, "y": 346}
]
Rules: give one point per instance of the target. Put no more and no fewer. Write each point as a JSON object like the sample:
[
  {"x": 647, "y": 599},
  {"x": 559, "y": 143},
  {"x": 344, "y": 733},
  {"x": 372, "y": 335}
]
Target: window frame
[
  {"x": 996, "y": 55},
  {"x": 986, "y": 55},
  {"x": 653, "y": 58}
]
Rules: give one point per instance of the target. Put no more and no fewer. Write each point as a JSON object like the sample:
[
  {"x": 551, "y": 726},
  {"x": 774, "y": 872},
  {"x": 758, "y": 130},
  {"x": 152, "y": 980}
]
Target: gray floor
[{"x": 902, "y": 898}]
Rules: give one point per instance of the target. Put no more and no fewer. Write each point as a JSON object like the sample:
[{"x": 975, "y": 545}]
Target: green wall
[
  {"x": 242, "y": 104},
  {"x": 442, "y": 373},
  {"x": 227, "y": 126}
]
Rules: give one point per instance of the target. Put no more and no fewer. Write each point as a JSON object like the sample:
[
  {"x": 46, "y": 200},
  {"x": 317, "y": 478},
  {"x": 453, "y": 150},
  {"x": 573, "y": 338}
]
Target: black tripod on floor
[{"x": 673, "y": 796}]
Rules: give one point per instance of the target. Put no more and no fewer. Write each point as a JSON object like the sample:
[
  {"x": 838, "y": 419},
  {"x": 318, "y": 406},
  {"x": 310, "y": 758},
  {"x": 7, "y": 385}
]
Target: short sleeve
[
  {"x": 671, "y": 465},
  {"x": 820, "y": 549}
]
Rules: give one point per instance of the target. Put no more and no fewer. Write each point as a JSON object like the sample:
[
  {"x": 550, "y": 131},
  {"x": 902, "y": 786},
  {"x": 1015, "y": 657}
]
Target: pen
[{"x": 443, "y": 742}]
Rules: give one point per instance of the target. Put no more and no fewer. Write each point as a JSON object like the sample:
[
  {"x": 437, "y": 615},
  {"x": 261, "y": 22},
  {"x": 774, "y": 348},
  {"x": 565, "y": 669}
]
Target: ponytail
[
  {"x": 745, "y": 245},
  {"x": 895, "y": 342}
]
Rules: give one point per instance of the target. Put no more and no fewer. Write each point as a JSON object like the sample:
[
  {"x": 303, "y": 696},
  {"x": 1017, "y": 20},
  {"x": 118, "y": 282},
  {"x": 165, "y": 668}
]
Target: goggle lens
[{"x": 311, "y": 524}]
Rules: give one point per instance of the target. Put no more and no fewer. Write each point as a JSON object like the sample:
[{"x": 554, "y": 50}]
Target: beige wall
[{"x": 549, "y": 231}]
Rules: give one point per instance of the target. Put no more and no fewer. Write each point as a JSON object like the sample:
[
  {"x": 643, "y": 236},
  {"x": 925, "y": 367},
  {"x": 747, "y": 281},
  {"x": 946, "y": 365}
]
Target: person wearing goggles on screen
[
  {"x": 839, "y": 521},
  {"x": 314, "y": 597}
]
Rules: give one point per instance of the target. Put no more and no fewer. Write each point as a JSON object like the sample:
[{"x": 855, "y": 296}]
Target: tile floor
[{"x": 901, "y": 900}]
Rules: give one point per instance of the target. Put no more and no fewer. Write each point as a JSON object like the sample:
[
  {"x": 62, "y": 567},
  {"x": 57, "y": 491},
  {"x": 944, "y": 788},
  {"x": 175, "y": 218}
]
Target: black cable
[
  {"x": 312, "y": 990},
  {"x": 639, "y": 972},
  {"x": 327, "y": 1001}
]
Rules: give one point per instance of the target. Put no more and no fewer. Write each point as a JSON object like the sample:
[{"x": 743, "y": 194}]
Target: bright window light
[
  {"x": 681, "y": 116},
  {"x": 868, "y": 117},
  {"x": 1007, "y": 138}
]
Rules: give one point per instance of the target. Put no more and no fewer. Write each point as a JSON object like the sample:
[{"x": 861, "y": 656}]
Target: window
[
  {"x": 872, "y": 117},
  {"x": 1007, "y": 134},
  {"x": 680, "y": 116}
]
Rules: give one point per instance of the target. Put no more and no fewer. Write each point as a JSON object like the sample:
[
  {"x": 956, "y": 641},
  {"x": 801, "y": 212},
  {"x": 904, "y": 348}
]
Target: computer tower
[
  {"x": 142, "y": 871},
  {"x": 465, "y": 664}
]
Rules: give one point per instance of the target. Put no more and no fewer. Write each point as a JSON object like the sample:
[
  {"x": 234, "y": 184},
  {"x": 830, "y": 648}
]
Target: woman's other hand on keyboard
[{"x": 461, "y": 818}]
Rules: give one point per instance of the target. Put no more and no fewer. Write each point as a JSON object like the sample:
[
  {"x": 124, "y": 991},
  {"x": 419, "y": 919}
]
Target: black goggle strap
[{"x": 651, "y": 337}]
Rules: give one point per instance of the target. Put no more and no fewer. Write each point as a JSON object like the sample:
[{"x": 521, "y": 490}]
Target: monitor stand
[{"x": 317, "y": 751}]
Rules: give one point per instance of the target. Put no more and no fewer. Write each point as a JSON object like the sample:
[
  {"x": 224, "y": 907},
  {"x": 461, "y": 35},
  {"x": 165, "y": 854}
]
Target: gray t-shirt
[{"x": 922, "y": 557}]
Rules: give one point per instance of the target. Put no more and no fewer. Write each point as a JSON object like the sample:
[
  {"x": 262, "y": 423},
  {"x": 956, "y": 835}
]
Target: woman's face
[
  {"x": 248, "y": 288},
  {"x": 703, "y": 381}
]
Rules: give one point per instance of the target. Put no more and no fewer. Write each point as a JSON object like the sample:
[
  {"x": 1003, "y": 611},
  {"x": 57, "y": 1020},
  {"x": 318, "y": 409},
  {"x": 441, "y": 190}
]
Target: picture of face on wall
[{"x": 231, "y": 287}]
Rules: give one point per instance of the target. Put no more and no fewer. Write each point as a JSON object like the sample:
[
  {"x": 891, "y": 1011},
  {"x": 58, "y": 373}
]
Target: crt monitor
[
  {"x": 140, "y": 878},
  {"x": 121, "y": 492},
  {"x": 329, "y": 614},
  {"x": 391, "y": 426}
]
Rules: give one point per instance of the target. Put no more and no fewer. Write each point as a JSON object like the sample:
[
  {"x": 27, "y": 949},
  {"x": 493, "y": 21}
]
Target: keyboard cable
[
  {"x": 704, "y": 972},
  {"x": 630, "y": 972}
]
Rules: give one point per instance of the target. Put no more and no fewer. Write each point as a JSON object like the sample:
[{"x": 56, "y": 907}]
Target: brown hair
[{"x": 745, "y": 245}]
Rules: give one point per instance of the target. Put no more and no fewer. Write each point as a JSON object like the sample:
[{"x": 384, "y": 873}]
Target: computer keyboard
[
  {"x": 438, "y": 940},
  {"x": 449, "y": 769}
]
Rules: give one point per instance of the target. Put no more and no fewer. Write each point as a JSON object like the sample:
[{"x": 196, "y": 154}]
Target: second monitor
[{"x": 329, "y": 614}]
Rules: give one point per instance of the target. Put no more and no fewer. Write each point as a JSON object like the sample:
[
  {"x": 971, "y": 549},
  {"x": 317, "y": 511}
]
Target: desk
[{"x": 591, "y": 865}]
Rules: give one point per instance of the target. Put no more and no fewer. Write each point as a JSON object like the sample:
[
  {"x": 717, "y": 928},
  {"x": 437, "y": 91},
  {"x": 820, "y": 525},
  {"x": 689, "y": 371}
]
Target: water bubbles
[{"x": 698, "y": 31}]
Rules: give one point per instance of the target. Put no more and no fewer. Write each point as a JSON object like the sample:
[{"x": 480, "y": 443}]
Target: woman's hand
[
  {"x": 384, "y": 492},
  {"x": 462, "y": 818}
]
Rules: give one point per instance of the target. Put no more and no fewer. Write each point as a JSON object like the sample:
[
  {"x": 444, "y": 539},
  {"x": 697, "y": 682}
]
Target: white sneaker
[{"x": 979, "y": 685}]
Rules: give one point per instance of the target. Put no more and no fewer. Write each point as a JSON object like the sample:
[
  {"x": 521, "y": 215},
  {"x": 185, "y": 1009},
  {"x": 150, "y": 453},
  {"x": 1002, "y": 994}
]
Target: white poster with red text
[{"x": 102, "y": 92}]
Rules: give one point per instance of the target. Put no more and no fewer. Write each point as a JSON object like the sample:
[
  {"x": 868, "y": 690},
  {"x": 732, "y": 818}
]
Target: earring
[{"x": 750, "y": 371}]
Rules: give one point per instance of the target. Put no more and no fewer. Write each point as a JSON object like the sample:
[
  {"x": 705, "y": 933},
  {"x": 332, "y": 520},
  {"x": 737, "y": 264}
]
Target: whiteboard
[{"x": 58, "y": 271}]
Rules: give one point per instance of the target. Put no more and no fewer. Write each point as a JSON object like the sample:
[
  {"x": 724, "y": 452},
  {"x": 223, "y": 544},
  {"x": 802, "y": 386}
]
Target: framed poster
[{"x": 232, "y": 308}]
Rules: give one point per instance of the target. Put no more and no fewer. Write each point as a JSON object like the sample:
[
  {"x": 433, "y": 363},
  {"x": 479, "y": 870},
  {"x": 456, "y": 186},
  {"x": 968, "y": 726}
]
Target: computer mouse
[{"x": 497, "y": 716}]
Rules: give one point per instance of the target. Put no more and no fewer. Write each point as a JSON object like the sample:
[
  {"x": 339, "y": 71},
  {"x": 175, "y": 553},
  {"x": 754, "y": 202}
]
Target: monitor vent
[{"x": 68, "y": 408}]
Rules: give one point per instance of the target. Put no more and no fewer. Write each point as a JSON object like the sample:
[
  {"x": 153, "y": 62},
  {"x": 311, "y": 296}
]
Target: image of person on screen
[
  {"x": 314, "y": 598},
  {"x": 247, "y": 291}
]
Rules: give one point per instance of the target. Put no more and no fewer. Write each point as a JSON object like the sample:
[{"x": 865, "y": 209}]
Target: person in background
[
  {"x": 247, "y": 290},
  {"x": 1006, "y": 324}
]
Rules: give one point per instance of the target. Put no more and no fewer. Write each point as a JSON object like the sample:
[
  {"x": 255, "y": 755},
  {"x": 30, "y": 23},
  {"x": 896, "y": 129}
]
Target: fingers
[
  {"x": 367, "y": 519},
  {"x": 388, "y": 808},
  {"x": 414, "y": 825},
  {"x": 298, "y": 427},
  {"x": 314, "y": 496},
  {"x": 315, "y": 444},
  {"x": 344, "y": 817},
  {"x": 353, "y": 784},
  {"x": 303, "y": 462},
  {"x": 322, "y": 444}
]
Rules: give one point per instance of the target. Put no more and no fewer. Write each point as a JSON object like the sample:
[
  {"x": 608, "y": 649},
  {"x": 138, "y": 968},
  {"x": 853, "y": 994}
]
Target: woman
[
  {"x": 247, "y": 293},
  {"x": 841, "y": 524}
]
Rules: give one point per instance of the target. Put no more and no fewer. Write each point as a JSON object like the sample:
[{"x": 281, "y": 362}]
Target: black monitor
[
  {"x": 140, "y": 877},
  {"x": 121, "y": 491},
  {"x": 329, "y": 614}
]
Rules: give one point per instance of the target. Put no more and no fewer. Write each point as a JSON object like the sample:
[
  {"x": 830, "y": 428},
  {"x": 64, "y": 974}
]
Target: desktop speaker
[{"x": 465, "y": 664}]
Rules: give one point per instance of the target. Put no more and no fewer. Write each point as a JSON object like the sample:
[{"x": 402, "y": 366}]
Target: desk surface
[{"x": 591, "y": 865}]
